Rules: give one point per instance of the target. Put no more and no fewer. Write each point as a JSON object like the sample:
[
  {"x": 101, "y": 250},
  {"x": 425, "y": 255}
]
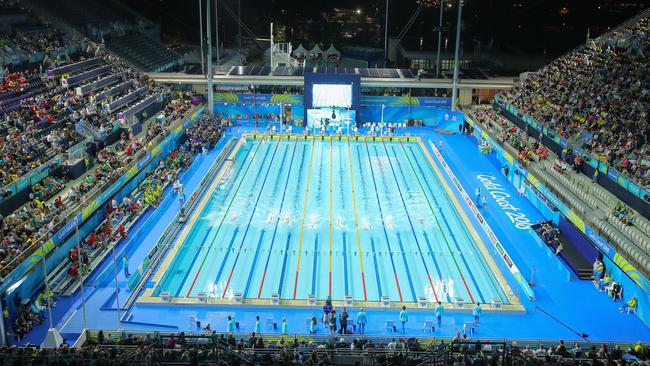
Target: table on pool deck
[{"x": 295, "y": 220}]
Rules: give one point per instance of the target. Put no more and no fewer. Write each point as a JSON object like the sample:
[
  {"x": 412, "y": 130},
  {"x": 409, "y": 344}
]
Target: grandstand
[{"x": 315, "y": 214}]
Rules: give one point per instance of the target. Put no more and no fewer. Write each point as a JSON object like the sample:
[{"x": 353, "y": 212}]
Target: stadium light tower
[
  {"x": 386, "y": 36},
  {"x": 442, "y": 3},
  {"x": 201, "y": 36},
  {"x": 454, "y": 91},
  {"x": 209, "y": 30}
]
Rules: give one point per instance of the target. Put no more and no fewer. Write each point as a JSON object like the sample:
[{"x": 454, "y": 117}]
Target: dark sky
[{"x": 531, "y": 26}]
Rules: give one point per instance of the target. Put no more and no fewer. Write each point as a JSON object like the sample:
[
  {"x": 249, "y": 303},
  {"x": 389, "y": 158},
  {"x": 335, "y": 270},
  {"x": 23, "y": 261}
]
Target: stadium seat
[
  {"x": 271, "y": 325},
  {"x": 428, "y": 325},
  {"x": 389, "y": 326}
]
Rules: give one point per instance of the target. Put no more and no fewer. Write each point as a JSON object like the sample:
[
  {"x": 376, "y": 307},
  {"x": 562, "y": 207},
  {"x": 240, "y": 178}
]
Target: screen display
[{"x": 332, "y": 95}]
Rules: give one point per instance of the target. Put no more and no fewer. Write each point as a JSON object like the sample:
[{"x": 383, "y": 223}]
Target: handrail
[
  {"x": 26, "y": 178},
  {"x": 321, "y": 338},
  {"x": 71, "y": 214}
]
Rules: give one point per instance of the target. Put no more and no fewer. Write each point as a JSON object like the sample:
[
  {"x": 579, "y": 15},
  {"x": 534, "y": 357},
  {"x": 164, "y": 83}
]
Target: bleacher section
[
  {"x": 144, "y": 52},
  {"x": 592, "y": 100},
  {"x": 124, "y": 32}
]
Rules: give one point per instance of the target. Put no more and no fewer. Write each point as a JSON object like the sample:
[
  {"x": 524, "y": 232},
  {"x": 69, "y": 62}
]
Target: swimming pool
[{"x": 329, "y": 217}]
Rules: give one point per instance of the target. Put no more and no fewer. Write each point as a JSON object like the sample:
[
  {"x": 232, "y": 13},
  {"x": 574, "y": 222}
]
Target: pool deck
[{"x": 576, "y": 303}]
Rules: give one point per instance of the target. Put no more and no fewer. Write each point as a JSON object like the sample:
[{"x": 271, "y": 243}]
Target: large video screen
[{"x": 332, "y": 95}]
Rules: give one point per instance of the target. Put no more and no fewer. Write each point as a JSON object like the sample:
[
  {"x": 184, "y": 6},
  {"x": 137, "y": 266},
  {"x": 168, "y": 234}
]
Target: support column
[
  {"x": 210, "y": 74},
  {"x": 454, "y": 91}
]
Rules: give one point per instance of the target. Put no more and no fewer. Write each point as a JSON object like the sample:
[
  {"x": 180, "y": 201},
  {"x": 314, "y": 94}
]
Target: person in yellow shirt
[
  {"x": 631, "y": 304},
  {"x": 639, "y": 348}
]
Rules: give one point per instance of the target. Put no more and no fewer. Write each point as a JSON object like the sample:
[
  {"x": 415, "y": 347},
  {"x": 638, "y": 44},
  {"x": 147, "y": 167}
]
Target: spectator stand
[
  {"x": 62, "y": 283},
  {"x": 16, "y": 194},
  {"x": 18, "y": 267},
  {"x": 622, "y": 187},
  {"x": 619, "y": 264}
]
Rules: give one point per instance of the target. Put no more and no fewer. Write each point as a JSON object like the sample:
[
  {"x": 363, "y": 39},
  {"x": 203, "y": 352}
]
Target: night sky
[{"x": 528, "y": 26}]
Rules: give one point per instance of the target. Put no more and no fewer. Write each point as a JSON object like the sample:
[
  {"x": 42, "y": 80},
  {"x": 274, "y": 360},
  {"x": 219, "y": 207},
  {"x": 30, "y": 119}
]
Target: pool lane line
[
  {"x": 160, "y": 276},
  {"x": 435, "y": 262},
  {"x": 284, "y": 264},
  {"x": 455, "y": 212},
  {"x": 232, "y": 240},
  {"x": 304, "y": 214},
  {"x": 313, "y": 270},
  {"x": 331, "y": 219},
  {"x": 275, "y": 230},
  {"x": 345, "y": 264},
  {"x": 187, "y": 273},
  {"x": 408, "y": 217},
  {"x": 356, "y": 225},
  {"x": 374, "y": 259},
  {"x": 223, "y": 219},
  {"x": 435, "y": 217},
  {"x": 248, "y": 225},
  {"x": 381, "y": 215},
  {"x": 259, "y": 242},
  {"x": 230, "y": 248}
]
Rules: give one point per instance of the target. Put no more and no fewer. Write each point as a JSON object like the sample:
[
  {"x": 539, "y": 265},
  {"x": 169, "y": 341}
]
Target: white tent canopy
[
  {"x": 316, "y": 50},
  {"x": 299, "y": 52},
  {"x": 332, "y": 51}
]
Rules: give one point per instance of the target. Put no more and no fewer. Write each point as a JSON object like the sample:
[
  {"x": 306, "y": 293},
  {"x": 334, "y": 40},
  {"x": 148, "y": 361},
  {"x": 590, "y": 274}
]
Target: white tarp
[
  {"x": 316, "y": 50},
  {"x": 299, "y": 52},
  {"x": 332, "y": 51}
]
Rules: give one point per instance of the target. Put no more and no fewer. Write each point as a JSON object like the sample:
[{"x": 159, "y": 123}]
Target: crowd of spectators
[
  {"x": 113, "y": 228},
  {"x": 511, "y": 134},
  {"x": 204, "y": 134},
  {"x": 220, "y": 349},
  {"x": 599, "y": 94},
  {"x": 31, "y": 222}
]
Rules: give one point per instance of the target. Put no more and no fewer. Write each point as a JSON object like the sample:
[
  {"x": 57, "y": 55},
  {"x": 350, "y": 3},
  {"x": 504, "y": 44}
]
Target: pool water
[{"x": 330, "y": 218}]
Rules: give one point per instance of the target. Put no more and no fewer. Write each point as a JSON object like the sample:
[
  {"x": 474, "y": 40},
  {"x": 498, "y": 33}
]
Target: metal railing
[
  {"x": 25, "y": 181},
  {"x": 73, "y": 211},
  {"x": 166, "y": 238}
]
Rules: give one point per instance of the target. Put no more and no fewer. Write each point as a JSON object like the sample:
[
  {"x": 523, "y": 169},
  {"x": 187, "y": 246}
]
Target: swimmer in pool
[
  {"x": 339, "y": 222},
  {"x": 421, "y": 220},
  {"x": 312, "y": 222},
  {"x": 269, "y": 218},
  {"x": 389, "y": 222},
  {"x": 287, "y": 219}
]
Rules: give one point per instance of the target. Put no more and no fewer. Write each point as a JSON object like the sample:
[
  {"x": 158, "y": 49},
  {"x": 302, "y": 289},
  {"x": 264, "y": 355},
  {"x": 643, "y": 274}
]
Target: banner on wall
[
  {"x": 366, "y": 100},
  {"x": 370, "y": 100}
]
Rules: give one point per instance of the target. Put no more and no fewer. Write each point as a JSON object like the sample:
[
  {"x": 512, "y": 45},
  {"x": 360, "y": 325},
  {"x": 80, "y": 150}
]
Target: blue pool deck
[{"x": 576, "y": 303}]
